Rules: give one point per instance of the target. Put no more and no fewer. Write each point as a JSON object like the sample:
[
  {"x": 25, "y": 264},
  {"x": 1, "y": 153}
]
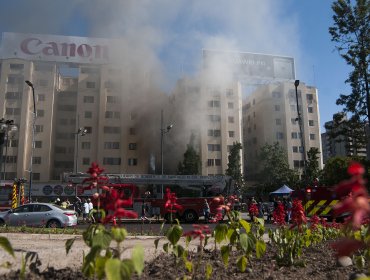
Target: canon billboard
[
  {"x": 251, "y": 65},
  {"x": 55, "y": 48}
]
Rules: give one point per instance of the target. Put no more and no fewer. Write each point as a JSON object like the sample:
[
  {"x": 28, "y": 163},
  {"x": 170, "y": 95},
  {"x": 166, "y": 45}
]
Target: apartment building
[
  {"x": 209, "y": 116},
  {"x": 270, "y": 116},
  {"x": 75, "y": 86}
]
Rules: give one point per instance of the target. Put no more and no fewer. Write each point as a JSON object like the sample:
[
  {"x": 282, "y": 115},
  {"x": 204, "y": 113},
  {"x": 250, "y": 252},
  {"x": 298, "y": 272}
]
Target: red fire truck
[
  {"x": 191, "y": 190},
  {"x": 317, "y": 201},
  {"x": 6, "y": 195}
]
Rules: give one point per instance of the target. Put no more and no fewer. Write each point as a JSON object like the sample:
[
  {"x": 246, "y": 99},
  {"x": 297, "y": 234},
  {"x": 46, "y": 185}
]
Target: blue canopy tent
[{"x": 284, "y": 190}]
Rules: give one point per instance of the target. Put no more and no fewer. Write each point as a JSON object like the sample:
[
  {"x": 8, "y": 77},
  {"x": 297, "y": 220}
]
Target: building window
[
  {"x": 279, "y": 135},
  {"x": 295, "y": 149},
  {"x": 214, "y": 104},
  {"x": 88, "y": 70},
  {"x": 88, "y": 99},
  {"x": 311, "y": 123},
  {"x": 43, "y": 67},
  {"x": 112, "y": 115},
  {"x": 43, "y": 83},
  {"x": 294, "y": 121},
  {"x": 16, "y": 66},
  {"x": 85, "y": 145},
  {"x": 310, "y": 109},
  {"x": 132, "y": 131},
  {"x": 231, "y": 134},
  {"x": 132, "y": 146},
  {"x": 60, "y": 150},
  {"x": 13, "y": 143},
  {"x": 133, "y": 116},
  {"x": 90, "y": 84},
  {"x": 88, "y": 114},
  {"x": 36, "y": 160},
  {"x": 13, "y": 111},
  {"x": 38, "y": 144},
  {"x": 229, "y": 93},
  {"x": 88, "y": 129},
  {"x": 230, "y": 119},
  {"x": 230, "y": 105},
  {"x": 13, "y": 95},
  {"x": 214, "y": 147},
  {"x": 86, "y": 161},
  {"x": 276, "y": 94},
  {"x": 111, "y": 145},
  {"x": 13, "y": 79},
  {"x": 309, "y": 97},
  {"x": 112, "y": 129},
  {"x": 211, "y": 162},
  {"x": 112, "y": 99},
  {"x": 296, "y": 163},
  {"x": 39, "y": 128},
  {"x": 41, "y": 97},
  {"x": 40, "y": 113},
  {"x": 229, "y": 147},
  {"x": 294, "y": 135},
  {"x": 278, "y": 121},
  {"x": 132, "y": 161},
  {"x": 218, "y": 162},
  {"x": 214, "y": 118},
  {"x": 36, "y": 176},
  {"x": 277, "y": 108},
  {"x": 214, "y": 132},
  {"x": 312, "y": 137},
  {"x": 111, "y": 161}
]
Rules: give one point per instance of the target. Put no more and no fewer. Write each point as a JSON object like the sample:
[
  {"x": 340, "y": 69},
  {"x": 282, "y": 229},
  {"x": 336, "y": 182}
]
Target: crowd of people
[
  {"x": 83, "y": 207},
  {"x": 265, "y": 210}
]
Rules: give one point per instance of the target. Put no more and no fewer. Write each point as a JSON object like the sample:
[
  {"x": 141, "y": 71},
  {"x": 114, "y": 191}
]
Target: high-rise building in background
[
  {"x": 79, "y": 83},
  {"x": 270, "y": 116}
]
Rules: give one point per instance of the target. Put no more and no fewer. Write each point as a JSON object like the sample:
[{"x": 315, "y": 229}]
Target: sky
[{"x": 169, "y": 35}]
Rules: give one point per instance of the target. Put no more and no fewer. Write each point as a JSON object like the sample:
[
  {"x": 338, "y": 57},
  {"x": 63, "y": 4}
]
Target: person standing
[
  {"x": 86, "y": 211},
  {"x": 206, "y": 210},
  {"x": 91, "y": 208}
]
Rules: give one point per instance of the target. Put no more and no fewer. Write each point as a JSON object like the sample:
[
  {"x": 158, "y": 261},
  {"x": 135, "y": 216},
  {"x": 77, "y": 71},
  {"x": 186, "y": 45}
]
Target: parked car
[{"x": 39, "y": 214}]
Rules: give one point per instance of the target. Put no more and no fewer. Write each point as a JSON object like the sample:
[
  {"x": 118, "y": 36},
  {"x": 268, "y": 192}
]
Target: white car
[{"x": 39, "y": 214}]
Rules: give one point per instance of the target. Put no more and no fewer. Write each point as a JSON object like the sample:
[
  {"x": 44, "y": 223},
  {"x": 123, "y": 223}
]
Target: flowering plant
[
  {"x": 298, "y": 215},
  {"x": 279, "y": 214},
  {"x": 253, "y": 210}
]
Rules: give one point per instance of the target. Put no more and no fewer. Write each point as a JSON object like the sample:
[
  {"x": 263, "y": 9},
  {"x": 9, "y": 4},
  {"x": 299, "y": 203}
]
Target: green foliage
[
  {"x": 234, "y": 163},
  {"x": 351, "y": 33},
  {"x": 191, "y": 163},
  {"x": 274, "y": 168},
  {"x": 104, "y": 261},
  {"x": 312, "y": 165},
  {"x": 335, "y": 170},
  {"x": 5, "y": 244}
]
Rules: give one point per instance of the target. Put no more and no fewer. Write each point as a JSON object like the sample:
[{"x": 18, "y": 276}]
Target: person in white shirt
[
  {"x": 86, "y": 210},
  {"x": 91, "y": 207}
]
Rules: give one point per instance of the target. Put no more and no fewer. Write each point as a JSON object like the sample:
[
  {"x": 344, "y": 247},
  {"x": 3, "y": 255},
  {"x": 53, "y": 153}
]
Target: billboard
[
  {"x": 251, "y": 65},
  {"x": 55, "y": 48}
]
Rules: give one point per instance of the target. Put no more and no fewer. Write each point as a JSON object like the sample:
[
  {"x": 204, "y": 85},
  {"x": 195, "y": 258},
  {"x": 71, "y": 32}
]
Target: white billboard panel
[
  {"x": 55, "y": 48},
  {"x": 251, "y": 65}
]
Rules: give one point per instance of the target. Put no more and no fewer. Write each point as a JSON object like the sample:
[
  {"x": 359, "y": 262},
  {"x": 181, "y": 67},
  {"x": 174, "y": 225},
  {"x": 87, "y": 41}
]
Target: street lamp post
[
  {"x": 33, "y": 137},
  {"x": 80, "y": 132},
  {"x": 163, "y": 132},
  {"x": 299, "y": 118}
]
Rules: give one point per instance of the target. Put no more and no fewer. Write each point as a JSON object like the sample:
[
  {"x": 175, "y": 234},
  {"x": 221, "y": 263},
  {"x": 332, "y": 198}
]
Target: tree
[
  {"x": 234, "y": 164},
  {"x": 312, "y": 165},
  {"x": 351, "y": 33},
  {"x": 275, "y": 170},
  {"x": 190, "y": 164}
]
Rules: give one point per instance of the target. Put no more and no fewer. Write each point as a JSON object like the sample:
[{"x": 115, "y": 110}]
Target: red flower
[
  {"x": 315, "y": 220},
  {"x": 279, "y": 214},
  {"x": 356, "y": 169},
  {"x": 298, "y": 215},
  {"x": 171, "y": 204},
  {"x": 253, "y": 210}
]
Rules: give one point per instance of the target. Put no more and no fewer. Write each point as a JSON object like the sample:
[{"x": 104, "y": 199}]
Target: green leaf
[
  {"x": 245, "y": 225},
  {"x": 220, "y": 232},
  {"x": 69, "y": 244},
  {"x": 260, "y": 248},
  {"x": 113, "y": 270},
  {"x": 174, "y": 233},
  {"x": 89, "y": 260},
  {"x": 100, "y": 266},
  {"x": 244, "y": 242},
  {"x": 209, "y": 270},
  {"x": 225, "y": 252},
  {"x": 102, "y": 239},
  {"x": 189, "y": 266},
  {"x": 156, "y": 243},
  {"x": 138, "y": 259},
  {"x": 178, "y": 250},
  {"x": 5, "y": 244},
  {"x": 165, "y": 247},
  {"x": 242, "y": 263},
  {"x": 119, "y": 234}
]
